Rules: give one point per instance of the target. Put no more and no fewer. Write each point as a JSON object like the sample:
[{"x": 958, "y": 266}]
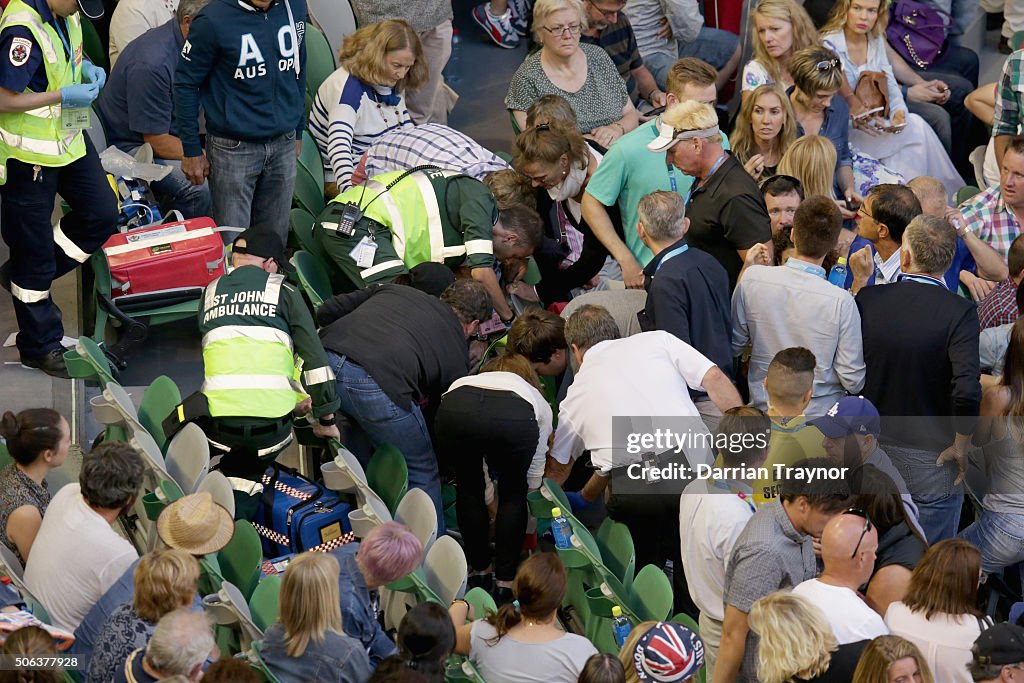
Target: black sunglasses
[
  {"x": 827, "y": 65},
  {"x": 864, "y": 532}
]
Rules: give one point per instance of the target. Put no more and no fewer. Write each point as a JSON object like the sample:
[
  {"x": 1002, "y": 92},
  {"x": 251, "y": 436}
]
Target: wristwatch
[{"x": 327, "y": 420}]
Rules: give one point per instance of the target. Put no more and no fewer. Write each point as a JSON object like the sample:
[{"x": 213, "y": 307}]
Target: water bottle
[
  {"x": 620, "y": 626},
  {"x": 837, "y": 275},
  {"x": 453, "y": 70},
  {"x": 561, "y": 529}
]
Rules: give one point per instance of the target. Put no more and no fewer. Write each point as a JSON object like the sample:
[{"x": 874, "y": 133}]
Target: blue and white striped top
[{"x": 347, "y": 117}]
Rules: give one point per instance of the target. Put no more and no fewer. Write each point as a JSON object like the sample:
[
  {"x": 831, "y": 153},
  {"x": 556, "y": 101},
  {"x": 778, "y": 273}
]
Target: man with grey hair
[
  {"x": 726, "y": 210},
  {"x": 687, "y": 289},
  {"x": 922, "y": 338},
  {"x": 137, "y": 107},
  {"x": 648, "y": 374},
  {"x": 181, "y": 644},
  {"x": 77, "y": 555},
  {"x": 997, "y": 655}
]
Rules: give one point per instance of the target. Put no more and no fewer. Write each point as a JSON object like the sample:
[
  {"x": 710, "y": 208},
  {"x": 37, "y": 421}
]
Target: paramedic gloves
[
  {"x": 79, "y": 96},
  {"x": 93, "y": 74}
]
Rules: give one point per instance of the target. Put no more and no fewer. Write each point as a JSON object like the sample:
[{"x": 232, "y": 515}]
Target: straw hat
[{"x": 195, "y": 524}]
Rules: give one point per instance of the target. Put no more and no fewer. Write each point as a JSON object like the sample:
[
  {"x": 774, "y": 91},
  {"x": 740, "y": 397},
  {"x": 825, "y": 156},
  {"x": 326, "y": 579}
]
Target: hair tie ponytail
[{"x": 515, "y": 606}]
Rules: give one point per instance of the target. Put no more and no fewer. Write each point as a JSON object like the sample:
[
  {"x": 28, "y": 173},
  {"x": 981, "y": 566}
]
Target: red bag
[{"x": 176, "y": 258}]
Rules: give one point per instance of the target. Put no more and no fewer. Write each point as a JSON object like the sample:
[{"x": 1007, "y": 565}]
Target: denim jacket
[
  {"x": 337, "y": 659},
  {"x": 358, "y": 616}
]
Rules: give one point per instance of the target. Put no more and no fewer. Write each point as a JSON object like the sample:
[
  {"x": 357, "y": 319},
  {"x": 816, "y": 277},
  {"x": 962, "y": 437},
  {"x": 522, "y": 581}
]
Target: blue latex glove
[
  {"x": 93, "y": 74},
  {"x": 576, "y": 501},
  {"x": 79, "y": 96}
]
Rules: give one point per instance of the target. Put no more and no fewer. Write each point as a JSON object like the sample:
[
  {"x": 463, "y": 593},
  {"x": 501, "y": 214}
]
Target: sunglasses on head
[
  {"x": 864, "y": 532},
  {"x": 827, "y": 64}
]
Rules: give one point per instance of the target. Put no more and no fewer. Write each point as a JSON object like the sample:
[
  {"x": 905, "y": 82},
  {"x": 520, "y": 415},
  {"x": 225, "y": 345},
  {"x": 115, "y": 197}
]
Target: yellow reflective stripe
[
  {"x": 247, "y": 382},
  {"x": 318, "y": 375},
  {"x": 272, "y": 292},
  {"x": 67, "y": 246},
  {"x": 32, "y": 20},
  {"x": 47, "y": 147},
  {"x": 254, "y": 332},
  {"x": 29, "y": 296},
  {"x": 381, "y": 267},
  {"x": 433, "y": 221},
  {"x": 479, "y": 247}
]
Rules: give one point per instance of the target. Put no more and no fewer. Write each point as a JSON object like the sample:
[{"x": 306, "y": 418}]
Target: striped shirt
[
  {"x": 434, "y": 144},
  {"x": 619, "y": 42},
  {"x": 988, "y": 217},
  {"x": 347, "y": 117}
]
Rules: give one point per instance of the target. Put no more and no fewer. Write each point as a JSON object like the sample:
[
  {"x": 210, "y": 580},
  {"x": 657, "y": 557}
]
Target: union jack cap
[{"x": 668, "y": 653}]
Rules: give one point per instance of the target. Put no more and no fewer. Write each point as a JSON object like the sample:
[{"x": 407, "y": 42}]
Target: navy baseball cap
[
  {"x": 850, "y": 415},
  {"x": 668, "y": 653},
  {"x": 1000, "y": 644},
  {"x": 263, "y": 244},
  {"x": 93, "y": 9}
]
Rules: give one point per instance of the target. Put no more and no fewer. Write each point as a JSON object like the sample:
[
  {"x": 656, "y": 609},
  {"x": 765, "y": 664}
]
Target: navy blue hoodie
[{"x": 240, "y": 61}]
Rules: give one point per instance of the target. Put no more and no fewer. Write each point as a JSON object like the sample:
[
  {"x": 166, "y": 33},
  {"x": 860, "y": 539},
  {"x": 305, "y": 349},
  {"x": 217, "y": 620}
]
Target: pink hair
[{"x": 390, "y": 552}]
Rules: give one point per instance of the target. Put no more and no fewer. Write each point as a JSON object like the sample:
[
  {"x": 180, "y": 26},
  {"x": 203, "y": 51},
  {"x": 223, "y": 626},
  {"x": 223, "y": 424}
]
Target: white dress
[{"x": 914, "y": 152}]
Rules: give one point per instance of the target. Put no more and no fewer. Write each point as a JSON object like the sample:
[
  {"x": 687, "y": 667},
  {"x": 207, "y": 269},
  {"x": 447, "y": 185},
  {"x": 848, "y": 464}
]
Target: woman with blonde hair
[
  {"x": 891, "y": 659},
  {"x": 780, "y": 29},
  {"x": 581, "y": 73},
  {"x": 499, "y": 417},
  {"x": 902, "y": 141},
  {"x": 363, "y": 99},
  {"x": 812, "y": 160},
  {"x": 765, "y": 128},
  {"x": 165, "y": 580},
  {"x": 797, "y": 643},
  {"x": 559, "y": 163},
  {"x": 628, "y": 645},
  {"x": 939, "y": 612},
  {"x": 522, "y": 641},
  {"x": 308, "y": 642}
]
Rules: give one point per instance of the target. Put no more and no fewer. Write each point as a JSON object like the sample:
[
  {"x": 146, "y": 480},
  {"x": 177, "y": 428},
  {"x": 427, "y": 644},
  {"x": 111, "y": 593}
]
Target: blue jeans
[
  {"x": 713, "y": 45},
  {"x": 1000, "y": 538},
  {"x": 376, "y": 420},
  {"x": 252, "y": 182},
  {"x": 938, "y": 500}
]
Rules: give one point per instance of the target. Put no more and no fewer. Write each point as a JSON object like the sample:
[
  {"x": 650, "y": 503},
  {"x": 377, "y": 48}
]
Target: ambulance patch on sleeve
[{"x": 21, "y": 48}]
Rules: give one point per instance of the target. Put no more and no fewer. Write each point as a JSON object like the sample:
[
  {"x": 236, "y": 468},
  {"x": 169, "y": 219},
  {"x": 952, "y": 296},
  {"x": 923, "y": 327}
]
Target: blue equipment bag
[{"x": 296, "y": 514}]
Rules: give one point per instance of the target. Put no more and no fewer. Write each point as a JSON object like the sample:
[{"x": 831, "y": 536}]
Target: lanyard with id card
[
  {"x": 364, "y": 252},
  {"x": 77, "y": 118}
]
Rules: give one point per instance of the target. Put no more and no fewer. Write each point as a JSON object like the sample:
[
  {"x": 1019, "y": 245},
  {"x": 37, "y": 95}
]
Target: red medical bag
[{"x": 174, "y": 258}]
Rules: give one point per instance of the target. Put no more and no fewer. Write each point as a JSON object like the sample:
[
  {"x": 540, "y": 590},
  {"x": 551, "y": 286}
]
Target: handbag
[
  {"x": 873, "y": 90},
  {"x": 918, "y": 32}
]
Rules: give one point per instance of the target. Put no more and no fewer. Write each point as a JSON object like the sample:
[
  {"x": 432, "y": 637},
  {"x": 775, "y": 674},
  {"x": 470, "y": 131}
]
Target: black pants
[
  {"x": 653, "y": 521},
  {"x": 37, "y": 257},
  {"x": 475, "y": 425},
  {"x": 248, "y": 447}
]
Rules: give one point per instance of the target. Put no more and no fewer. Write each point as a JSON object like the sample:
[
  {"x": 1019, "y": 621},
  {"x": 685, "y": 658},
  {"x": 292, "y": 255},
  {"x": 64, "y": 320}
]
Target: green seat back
[
  {"x": 89, "y": 363},
  {"x": 481, "y": 601},
  {"x": 652, "y": 594},
  {"x": 388, "y": 475},
  {"x": 319, "y": 59},
  {"x": 617, "y": 551},
  {"x": 313, "y": 277},
  {"x": 159, "y": 400},
  {"x": 5, "y": 456},
  {"x": 264, "y": 602},
  {"x": 309, "y": 192},
  {"x": 309, "y": 156},
  {"x": 965, "y": 193},
  {"x": 241, "y": 558}
]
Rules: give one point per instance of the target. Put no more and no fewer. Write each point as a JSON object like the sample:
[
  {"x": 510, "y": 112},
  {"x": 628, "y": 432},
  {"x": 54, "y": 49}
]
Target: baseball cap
[
  {"x": 668, "y": 136},
  {"x": 263, "y": 244},
  {"x": 850, "y": 415},
  {"x": 999, "y": 644},
  {"x": 667, "y": 653},
  {"x": 431, "y": 278},
  {"x": 91, "y": 8}
]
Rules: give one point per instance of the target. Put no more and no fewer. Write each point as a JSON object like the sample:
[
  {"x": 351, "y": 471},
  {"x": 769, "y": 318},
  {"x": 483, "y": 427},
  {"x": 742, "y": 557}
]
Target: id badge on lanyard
[{"x": 71, "y": 119}]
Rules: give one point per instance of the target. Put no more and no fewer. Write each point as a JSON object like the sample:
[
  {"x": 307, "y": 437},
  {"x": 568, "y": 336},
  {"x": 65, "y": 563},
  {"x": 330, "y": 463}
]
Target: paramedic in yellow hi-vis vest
[
  {"x": 398, "y": 220},
  {"x": 256, "y": 327},
  {"x": 46, "y": 88}
]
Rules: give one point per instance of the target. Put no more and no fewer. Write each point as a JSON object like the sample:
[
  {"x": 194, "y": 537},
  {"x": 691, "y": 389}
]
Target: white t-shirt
[
  {"x": 75, "y": 558},
  {"x": 849, "y": 616},
  {"x": 648, "y": 374},
  {"x": 513, "y": 661},
  {"x": 709, "y": 524},
  {"x": 945, "y": 640},
  {"x": 508, "y": 381}
]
